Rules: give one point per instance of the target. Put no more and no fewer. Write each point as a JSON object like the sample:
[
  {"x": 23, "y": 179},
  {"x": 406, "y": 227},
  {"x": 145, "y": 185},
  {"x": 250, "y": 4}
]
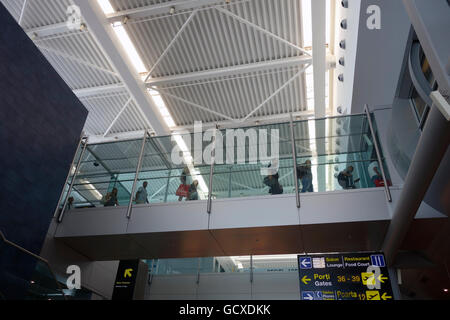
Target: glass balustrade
[
  {"x": 24, "y": 275},
  {"x": 332, "y": 154},
  {"x": 232, "y": 264}
]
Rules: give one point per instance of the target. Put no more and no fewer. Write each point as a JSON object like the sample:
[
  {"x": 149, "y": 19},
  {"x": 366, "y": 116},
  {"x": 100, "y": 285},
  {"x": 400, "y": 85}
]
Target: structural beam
[
  {"x": 185, "y": 24},
  {"x": 118, "y": 116},
  {"x": 255, "y": 26},
  {"x": 318, "y": 12},
  {"x": 230, "y": 71},
  {"x": 431, "y": 148},
  {"x": 87, "y": 92},
  {"x": 109, "y": 43},
  {"x": 49, "y": 30},
  {"x": 22, "y": 12},
  {"x": 134, "y": 135},
  {"x": 161, "y": 8},
  {"x": 75, "y": 59},
  {"x": 196, "y": 105},
  {"x": 276, "y": 92}
]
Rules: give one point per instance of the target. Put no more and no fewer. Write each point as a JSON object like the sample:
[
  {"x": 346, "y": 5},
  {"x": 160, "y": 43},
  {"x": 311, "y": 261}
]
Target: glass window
[{"x": 419, "y": 104}]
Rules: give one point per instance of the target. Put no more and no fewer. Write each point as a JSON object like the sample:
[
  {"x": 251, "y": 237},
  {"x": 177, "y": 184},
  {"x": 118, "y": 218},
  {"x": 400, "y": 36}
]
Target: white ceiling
[{"x": 231, "y": 62}]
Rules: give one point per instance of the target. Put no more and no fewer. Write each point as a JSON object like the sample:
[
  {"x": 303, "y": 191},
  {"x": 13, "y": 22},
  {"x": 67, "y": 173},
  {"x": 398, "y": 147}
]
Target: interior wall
[
  {"x": 379, "y": 55},
  {"x": 41, "y": 124},
  {"x": 225, "y": 286},
  {"x": 96, "y": 276}
]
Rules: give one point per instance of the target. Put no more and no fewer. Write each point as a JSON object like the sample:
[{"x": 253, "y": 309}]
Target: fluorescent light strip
[
  {"x": 106, "y": 6},
  {"x": 129, "y": 47}
]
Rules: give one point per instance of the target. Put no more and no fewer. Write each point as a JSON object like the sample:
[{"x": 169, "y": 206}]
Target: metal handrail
[
  {"x": 294, "y": 158},
  {"x": 377, "y": 150},
  {"x": 138, "y": 169},
  {"x": 69, "y": 191},
  {"x": 211, "y": 173},
  {"x": 16, "y": 246},
  {"x": 67, "y": 178}
]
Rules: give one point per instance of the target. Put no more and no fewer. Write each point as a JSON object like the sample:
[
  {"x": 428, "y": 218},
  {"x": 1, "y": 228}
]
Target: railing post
[
  {"x": 68, "y": 175},
  {"x": 229, "y": 182},
  {"x": 377, "y": 150},
  {"x": 294, "y": 158},
  {"x": 138, "y": 169},
  {"x": 211, "y": 172},
  {"x": 168, "y": 185},
  {"x": 61, "y": 215},
  {"x": 251, "y": 268}
]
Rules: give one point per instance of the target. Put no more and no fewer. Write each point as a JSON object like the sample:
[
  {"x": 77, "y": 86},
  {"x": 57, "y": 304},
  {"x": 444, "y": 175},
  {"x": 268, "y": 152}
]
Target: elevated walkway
[
  {"x": 349, "y": 220},
  {"x": 235, "y": 214}
]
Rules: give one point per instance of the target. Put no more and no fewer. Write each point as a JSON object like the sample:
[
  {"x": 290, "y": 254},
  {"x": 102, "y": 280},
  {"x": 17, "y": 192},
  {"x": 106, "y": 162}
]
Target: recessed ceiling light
[{"x": 445, "y": 290}]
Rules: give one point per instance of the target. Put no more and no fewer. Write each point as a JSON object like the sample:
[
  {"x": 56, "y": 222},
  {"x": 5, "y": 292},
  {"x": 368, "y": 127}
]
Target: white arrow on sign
[
  {"x": 309, "y": 297},
  {"x": 304, "y": 263}
]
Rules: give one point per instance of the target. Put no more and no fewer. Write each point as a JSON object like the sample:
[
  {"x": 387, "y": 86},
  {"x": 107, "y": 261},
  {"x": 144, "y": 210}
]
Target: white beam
[
  {"x": 196, "y": 105},
  {"x": 123, "y": 136},
  {"x": 117, "y": 117},
  {"x": 318, "y": 12},
  {"x": 109, "y": 43},
  {"x": 185, "y": 24},
  {"x": 318, "y": 18},
  {"x": 22, "y": 12},
  {"x": 229, "y": 71},
  {"x": 161, "y": 8},
  {"x": 49, "y": 30},
  {"x": 87, "y": 92},
  {"x": 251, "y": 24},
  {"x": 275, "y": 118},
  {"x": 276, "y": 92},
  {"x": 75, "y": 59}
]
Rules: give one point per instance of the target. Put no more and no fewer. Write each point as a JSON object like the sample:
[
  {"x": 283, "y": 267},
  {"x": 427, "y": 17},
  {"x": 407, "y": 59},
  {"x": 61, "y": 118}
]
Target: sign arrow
[
  {"x": 127, "y": 273},
  {"x": 309, "y": 297},
  {"x": 385, "y": 296},
  {"x": 305, "y": 279},
  {"x": 305, "y": 264},
  {"x": 381, "y": 278}
]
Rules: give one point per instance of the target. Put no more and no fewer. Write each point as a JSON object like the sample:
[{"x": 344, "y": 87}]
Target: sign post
[
  {"x": 346, "y": 276},
  {"x": 125, "y": 280}
]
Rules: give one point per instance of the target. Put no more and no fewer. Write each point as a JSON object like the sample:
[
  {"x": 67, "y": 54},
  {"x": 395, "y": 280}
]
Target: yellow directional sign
[
  {"x": 127, "y": 273},
  {"x": 368, "y": 278},
  {"x": 385, "y": 296},
  {"x": 305, "y": 279},
  {"x": 373, "y": 295},
  {"x": 381, "y": 278}
]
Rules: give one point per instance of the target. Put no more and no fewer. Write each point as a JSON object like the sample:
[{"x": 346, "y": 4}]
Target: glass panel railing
[
  {"x": 329, "y": 152},
  {"x": 43, "y": 285},
  {"x": 106, "y": 175},
  {"x": 70, "y": 178},
  {"x": 172, "y": 164},
  {"x": 230, "y": 264},
  {"x": 335, "y": 154},
  {"x": 24, "y": 275},
  {"x": 254, "y": 161}
]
